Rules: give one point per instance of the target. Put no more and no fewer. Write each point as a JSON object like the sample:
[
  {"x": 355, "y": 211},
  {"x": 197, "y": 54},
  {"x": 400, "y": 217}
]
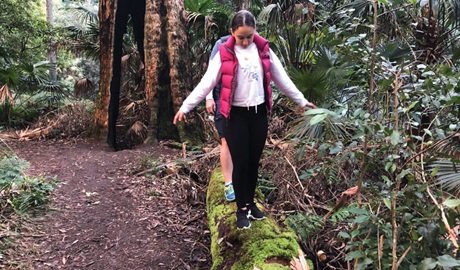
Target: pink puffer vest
[{"x": 229, "y": 70}]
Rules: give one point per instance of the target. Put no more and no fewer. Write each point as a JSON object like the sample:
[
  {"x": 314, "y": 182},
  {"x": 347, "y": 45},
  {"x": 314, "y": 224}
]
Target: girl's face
[{"x": 244, "y": 35}]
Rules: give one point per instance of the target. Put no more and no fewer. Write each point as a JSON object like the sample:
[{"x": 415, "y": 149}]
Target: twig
[
  {"x": 296, "y": 175},
  {"x": 178, "y": 161},
  {"x": 184, "y": 149},
  {"x": 403, "y": 256},
  {"x": 6, "y": 153},
  {"x": 170, "y": 199},
  {"x": 300, "y": 183},
  {"x": 196, "y": 217}
]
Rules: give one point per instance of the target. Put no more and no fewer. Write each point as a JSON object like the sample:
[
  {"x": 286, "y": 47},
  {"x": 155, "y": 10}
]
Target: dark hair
[{"x": 242, "y": 18}]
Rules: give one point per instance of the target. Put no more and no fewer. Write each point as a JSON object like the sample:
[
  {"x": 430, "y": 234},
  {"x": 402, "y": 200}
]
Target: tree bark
[
  {"x": 167, "y": 71},
  {"x": 107, "y": 9}
]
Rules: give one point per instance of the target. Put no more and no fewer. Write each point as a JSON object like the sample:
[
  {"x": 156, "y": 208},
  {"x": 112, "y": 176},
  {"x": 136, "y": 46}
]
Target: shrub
[{"x": 20, "y": 193}]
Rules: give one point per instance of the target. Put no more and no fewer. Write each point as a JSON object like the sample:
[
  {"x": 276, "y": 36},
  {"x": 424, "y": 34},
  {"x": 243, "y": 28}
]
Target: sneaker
[
  {"x": 242, "y": 220},
  {"x": 229, "y": 192},
  {"x": 255, "y": 213}
]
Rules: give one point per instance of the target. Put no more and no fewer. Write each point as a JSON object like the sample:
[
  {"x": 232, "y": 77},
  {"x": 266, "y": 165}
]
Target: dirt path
[{"x": 105, "y": 217}]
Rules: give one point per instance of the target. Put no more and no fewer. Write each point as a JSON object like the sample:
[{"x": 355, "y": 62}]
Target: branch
[
  {"x": 430, "y": 147},
  {"x": 212, "y": 153}
]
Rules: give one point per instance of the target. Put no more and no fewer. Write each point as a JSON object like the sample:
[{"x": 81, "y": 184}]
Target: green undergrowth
[
  {"x": 21, "y": 193},
  {"x": 265, "y": 245},
  {"x": 21, "y": 196}
]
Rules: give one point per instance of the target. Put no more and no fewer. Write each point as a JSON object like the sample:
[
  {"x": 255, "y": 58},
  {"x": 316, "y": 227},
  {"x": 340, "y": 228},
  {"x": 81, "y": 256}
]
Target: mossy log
[{"x": 265, "y": 245}]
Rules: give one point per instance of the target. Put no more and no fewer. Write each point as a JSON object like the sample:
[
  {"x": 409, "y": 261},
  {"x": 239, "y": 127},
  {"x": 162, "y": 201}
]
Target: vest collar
[{"x": 258, "y": 40}]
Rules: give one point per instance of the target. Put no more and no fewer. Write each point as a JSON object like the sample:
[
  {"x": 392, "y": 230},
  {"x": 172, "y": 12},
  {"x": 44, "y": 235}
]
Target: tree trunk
[
  {"x": 264, "y": 245},
  {"x": 51, "y": 43},
  {"x": 159, "y": 27},
  {"x": 167, "y": 71},
  {"x": 107, "y": 10}
]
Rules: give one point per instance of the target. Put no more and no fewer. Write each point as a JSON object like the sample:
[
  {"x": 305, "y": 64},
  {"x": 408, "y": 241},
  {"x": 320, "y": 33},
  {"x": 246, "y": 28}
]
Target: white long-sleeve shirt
[{"x": 249, "y": 90}]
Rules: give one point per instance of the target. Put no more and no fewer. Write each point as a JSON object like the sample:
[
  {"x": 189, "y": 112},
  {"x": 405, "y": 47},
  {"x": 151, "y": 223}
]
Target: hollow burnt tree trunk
[
  {"x": 163, "y": 46},
  {"x": 113, "y": 20},
  {"x": 167, "y": 70}
]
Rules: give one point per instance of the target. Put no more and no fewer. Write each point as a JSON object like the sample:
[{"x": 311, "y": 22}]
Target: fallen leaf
[{"x": 299, "y": 263}]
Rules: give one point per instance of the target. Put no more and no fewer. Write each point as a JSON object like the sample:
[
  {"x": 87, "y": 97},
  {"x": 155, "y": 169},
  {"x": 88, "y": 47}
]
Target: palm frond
[
  {"x": 9, "y": 76},
  {"x": 270, "y": 17},
  {"x": 139, "y": 129},
  {"x": 202, "y": 16},
  {"x": 394, "y": 52},
  {"x": 322, "y": 125},
  {"x": 359, "y": 8},
  {"x": 199, "y": 7},
  {"x": 334, "y": 68},
  {"x": 313, "y": 84},
  {"x": 36, "y": 73},
  {"x": 84, "y": 39},
  {"x": 295, "y": 47},
  {"x": 83, "y": 13},
  {"x": 5, "y": 95},
  {"x": 447, "y": 174},
  {"x": 449, "y": 147},
  {"x": 325, "y": 58}
]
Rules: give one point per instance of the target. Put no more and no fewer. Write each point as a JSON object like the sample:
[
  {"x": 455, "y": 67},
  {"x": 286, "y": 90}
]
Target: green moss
[
  {"x": 264, "y": 245},
  {"x": 263, "y": 241},
  {"x": 273, "y": 266},
  {"x": 216, "y": 209}
]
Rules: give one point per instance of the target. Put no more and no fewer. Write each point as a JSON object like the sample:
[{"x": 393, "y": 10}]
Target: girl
[{"x": 246, "y": 65}]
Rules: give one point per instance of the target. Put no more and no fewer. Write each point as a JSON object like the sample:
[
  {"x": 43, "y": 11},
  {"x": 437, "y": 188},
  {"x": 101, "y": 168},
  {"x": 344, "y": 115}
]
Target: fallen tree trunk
[{"x": 265, "y": 245}]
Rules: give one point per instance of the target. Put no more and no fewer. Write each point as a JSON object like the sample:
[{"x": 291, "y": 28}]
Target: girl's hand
[
  {"x": 211, "y": 106},
  {"x": 179, "y": 116},
  {"x": 310, "y": 105}
]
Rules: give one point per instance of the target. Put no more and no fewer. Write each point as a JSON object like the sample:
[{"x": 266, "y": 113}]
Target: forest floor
[{"x": 107, "y": 215}]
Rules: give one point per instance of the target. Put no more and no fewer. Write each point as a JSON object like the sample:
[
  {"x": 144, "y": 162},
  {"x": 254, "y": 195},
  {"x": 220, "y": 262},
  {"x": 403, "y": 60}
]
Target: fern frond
[
  {"x": 340, "y": 215},
  {"x": 11, "y": 170},
  {"x": 306, "y": 224}
]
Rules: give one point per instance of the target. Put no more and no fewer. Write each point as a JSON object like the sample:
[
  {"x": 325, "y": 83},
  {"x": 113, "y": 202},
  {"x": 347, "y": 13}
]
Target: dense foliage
[
  {"x": 386, "y": 75},
  {"x": 26, "y": 88}
]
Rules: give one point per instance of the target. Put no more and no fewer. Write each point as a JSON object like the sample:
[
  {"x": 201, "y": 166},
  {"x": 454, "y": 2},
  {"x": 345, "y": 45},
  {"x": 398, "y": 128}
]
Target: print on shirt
[{"x": 249, "y": 71}]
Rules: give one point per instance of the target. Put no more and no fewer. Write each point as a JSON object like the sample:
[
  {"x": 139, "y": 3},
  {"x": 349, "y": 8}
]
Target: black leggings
[{"x": 246, "y": 132}]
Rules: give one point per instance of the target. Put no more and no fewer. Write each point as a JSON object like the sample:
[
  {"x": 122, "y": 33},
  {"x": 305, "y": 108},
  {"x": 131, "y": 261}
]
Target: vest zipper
[{"x": 233, "y": 84}]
